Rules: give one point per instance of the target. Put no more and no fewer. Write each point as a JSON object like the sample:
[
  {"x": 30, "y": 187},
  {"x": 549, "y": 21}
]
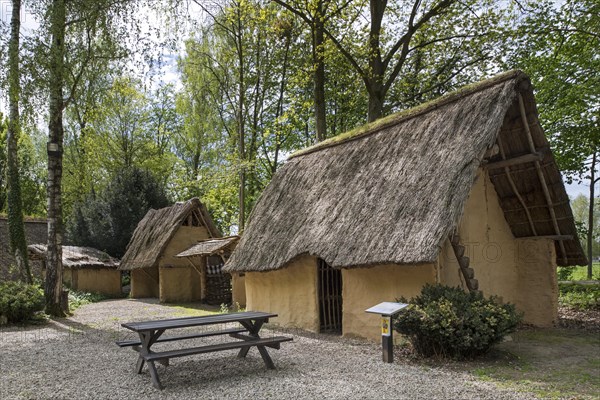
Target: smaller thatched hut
[
  {"x": 85, "y": 269},
  {"x": 151, "y": 253},
  {"x": 208, "y": 257}
]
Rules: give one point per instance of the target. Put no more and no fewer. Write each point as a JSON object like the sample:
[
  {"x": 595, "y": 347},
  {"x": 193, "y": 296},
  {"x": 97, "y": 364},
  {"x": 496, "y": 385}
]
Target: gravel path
[{"x": 76, "y": 358}]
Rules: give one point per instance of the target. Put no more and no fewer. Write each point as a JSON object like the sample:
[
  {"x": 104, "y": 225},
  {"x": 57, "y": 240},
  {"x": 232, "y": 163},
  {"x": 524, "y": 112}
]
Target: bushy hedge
[
  {"x": 19, "y": 301},
  {"x": 449, "y": 322},
  {"x": 579, "y": 296}
]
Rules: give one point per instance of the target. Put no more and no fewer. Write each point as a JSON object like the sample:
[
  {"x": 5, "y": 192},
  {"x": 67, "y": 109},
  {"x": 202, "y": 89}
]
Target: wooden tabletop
[{"x": 196, "y": 321}]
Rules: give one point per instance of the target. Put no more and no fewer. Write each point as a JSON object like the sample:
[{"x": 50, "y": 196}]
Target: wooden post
[
  {"x": 540, "y": 174},
  {"x": 387, "y": 338}
]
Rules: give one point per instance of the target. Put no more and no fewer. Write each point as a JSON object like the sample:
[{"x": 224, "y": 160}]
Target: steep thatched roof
[
  {"x": 393, "y": 191},
  {"x": 156, "y": 229},
  {"x": 210, "y": 246},
  {"x": 76, "y": 257}
]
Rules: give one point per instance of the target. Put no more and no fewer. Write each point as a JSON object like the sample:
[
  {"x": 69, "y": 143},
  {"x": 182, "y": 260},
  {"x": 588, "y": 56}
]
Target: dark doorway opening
[{"x": 330, "y": 298}]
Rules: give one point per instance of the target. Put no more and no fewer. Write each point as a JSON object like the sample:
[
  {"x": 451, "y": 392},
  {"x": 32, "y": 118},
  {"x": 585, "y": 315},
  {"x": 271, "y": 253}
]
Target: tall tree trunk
[
  {"x": 318, "y": 34},
  {"x": 16, "y": 229},
  {"x": 376, "y": 88},
  {"x": 54, "y": 268},
  {"x": 590, "y": 232},
  {"x": 241, "y": 122}
]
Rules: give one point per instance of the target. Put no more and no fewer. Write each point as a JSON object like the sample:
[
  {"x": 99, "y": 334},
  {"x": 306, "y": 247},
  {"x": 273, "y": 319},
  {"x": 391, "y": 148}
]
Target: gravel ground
[{"x": 76, "y": 358}]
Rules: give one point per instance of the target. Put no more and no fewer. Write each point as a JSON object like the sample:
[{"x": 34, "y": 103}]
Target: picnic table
[{"x": 246, "y": 335}]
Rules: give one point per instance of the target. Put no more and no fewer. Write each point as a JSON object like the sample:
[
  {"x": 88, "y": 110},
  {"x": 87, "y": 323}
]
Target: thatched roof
[
  {"x": 155, "y": 230},
  {"x": 394, "y": 190},
  {"x": 210, "y": 246},
  {"x": 76, "y": 257}
]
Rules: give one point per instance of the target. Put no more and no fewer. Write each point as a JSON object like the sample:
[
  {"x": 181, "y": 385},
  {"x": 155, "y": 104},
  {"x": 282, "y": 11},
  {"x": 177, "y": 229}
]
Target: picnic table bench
[{"x": 247, "y": 335}]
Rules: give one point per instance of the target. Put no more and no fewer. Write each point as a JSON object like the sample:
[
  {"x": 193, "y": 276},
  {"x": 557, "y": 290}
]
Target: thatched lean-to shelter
[
  {"x": 151, "y": 252},
  {"x": 208, "y": 257},
  {"x": 473, "y": 166},
  {"x": 85, "y": 269}
]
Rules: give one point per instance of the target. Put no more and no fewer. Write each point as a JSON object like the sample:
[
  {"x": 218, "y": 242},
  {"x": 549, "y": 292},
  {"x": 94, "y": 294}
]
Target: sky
[{"x": 168, "y": 73}]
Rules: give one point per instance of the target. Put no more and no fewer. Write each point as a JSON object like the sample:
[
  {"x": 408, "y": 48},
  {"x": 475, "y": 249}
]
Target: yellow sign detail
[{"x": 386, "y": 327}]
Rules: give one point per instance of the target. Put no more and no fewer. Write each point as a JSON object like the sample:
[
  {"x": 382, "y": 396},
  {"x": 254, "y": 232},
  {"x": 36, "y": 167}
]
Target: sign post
[{"x": 387, "y": 310}]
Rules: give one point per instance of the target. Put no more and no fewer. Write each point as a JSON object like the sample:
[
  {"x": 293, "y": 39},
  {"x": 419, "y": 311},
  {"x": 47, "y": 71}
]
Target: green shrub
[
  {"x": 565, "y": 273},
  {"x": 449, "y": 322},
  {"x": 582, "y": 297},
  {"x": 78, "y": 299},
  {"x": 19, "y": 301}
]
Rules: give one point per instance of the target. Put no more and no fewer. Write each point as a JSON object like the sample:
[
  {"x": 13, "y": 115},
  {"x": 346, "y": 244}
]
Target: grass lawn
[
  {"x": 550, "y": 363},
  {"x": 580, "y": 273}
]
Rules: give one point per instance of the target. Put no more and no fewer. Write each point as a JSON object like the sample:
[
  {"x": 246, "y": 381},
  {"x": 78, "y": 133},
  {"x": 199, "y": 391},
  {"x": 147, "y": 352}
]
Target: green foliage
[
  {"x": 78, "y": 299},
  {"x": 125, "y": 278},
  {"x": 559, "y": 49},
  {"x": 32, "y": 172},
  {"x": 578, "y": 273},
  {"x": 565, "y": 273},
  {"x": 580, "y": 206},
  {"x": 579, "y": 296},
  {"x": 2, "y": 163},
  {"x": 19, "y": 301},
  {"x": 449, "y": 322},
  {"x": 106, "y": 221}
]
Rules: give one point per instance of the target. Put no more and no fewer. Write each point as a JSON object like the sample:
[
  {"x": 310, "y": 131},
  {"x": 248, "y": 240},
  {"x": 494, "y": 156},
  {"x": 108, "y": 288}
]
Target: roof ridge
[{"x": 404, "y": 115}]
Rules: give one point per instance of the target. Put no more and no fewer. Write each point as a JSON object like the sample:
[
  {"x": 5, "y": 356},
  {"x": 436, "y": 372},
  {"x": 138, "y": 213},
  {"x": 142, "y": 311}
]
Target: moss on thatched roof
[
  {"x": 76, "y": 257},
  {"x": 209, "y": 246},
  {"x": 393, "y": 191},
  {"x": 155, "y": 230}
]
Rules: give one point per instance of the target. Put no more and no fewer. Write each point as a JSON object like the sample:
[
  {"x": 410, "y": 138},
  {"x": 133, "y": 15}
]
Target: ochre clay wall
[
  {"x": 238, "y": 289},
  {"x": 538, "y": 286},
  {"x": 365, "y": 287},
  {"x": 497, "y": 257},
  {"x": 179, "y": 284},
  {"x": 144, "y": 283},
  {"x": 179, "y": 281},
  {"x": 105, "y": 281},
  {"x": 290, "y": 292}
]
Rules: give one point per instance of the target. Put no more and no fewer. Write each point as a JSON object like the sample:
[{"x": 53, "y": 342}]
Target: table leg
[
  {"x": 147, "y": 339},
  {"x": 154, "y": 375},
  {"x": 266, "y": 357},
  {"x": 253, "y": 329},
  {"x": 139, "y": 365}
]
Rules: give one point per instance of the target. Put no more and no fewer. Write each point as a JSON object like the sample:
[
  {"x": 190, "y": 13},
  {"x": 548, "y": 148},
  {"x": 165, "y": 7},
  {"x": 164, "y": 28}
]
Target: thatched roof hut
[
  {"x": 152, "y": 253},
  {"x": 462, "y": 190},
  {"x": 157, "y": 228},
  {"x": 85, "y": 269},
  {"x": 394, "y": 190},
  {"x": 75, "y": 257}
]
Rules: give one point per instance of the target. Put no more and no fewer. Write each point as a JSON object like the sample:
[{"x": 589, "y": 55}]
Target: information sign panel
[{"x": 387, "y": 308}]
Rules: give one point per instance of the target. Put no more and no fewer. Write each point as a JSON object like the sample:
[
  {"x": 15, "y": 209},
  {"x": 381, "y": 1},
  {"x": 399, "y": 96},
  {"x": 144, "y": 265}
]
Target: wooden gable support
[
  {"x": 515, "y": 161},
  {"x": 151, "y": 277},
  {"x": 550, "y": 237},
  {"x": 514, "y": 188},
  {"x": 201, "y": 219},
  {"x": 540, "y": 174},
  {"x": 202, "y": 272}
]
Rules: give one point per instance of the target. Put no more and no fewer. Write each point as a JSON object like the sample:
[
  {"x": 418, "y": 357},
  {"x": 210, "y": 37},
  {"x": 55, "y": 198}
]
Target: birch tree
[{"x": 18, "y": 244}]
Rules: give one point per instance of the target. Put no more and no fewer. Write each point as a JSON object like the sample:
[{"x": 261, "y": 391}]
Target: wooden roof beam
[
  {"x": 527, "y": 158},
  {"x": 540, "y": 174},
  {"x": 549, "y": 237},
  {"x": 514, "y": 187}
]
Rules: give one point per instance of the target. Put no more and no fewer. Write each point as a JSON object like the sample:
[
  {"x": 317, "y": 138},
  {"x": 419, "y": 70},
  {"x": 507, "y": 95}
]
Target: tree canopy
[{"x": 252, "y": 81}]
